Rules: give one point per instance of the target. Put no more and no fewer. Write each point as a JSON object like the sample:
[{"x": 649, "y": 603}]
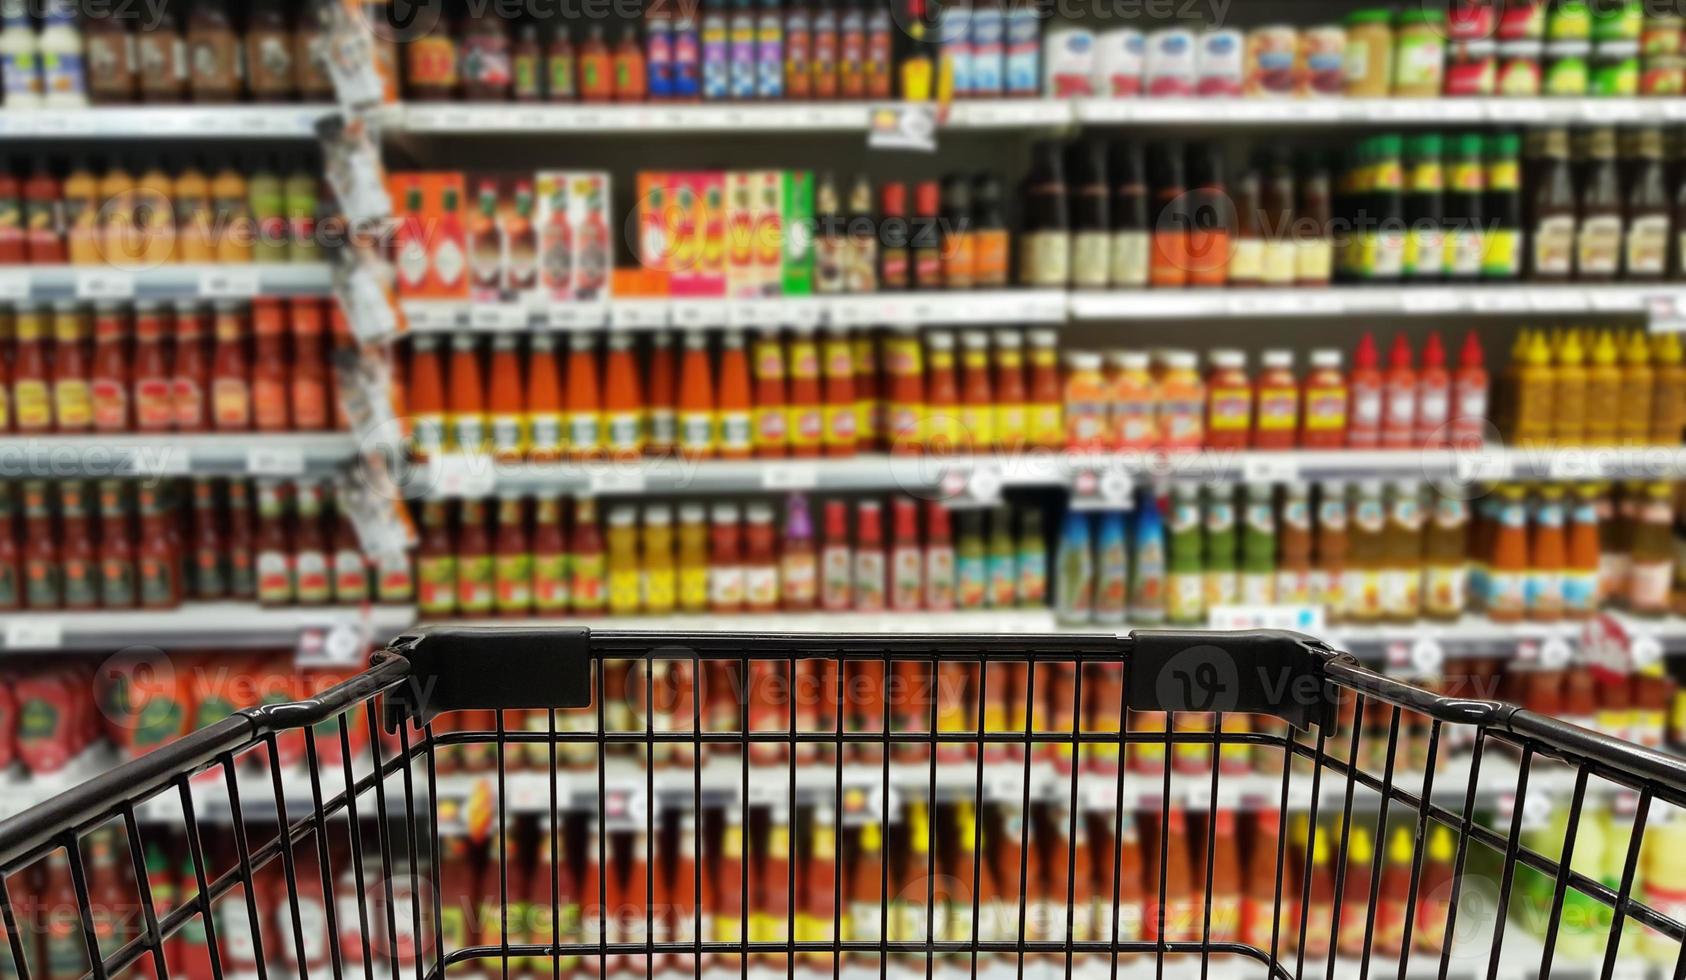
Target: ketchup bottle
[
  {"x": 109, "y": 381},
  {"x": 150, "y": 384},
  {"x": 309, "y": 382},
  {"x": 1399, "y": 402},
  {"x": 12, "y": 249},
  {"x": 43, "y": 203},
  {"x": 1434, "y": 396},
  {"x": 1364, "y": 422},
  {"x": 231, "y": 393},
  {"x": 1469, "y": 396},
  {"x": 191, "y": 372}
]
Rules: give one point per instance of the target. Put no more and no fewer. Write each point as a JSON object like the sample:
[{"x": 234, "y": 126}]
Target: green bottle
[
  {"x": 299, "y": 194},
  {"x": 1222, "y": 584},
  {"x": 267, "y": 199},
  {"x": 1258, "y": 547},
  {"x": 1186, "y": 600}
]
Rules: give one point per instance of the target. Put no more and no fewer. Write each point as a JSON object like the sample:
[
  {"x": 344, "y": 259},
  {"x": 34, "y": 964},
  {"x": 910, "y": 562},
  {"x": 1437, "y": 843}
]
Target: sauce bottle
[
  {"x": 726, "y": 569},
  {"x": 925, "y": 238},
  {"x": 771, "y": 416},
  {"x": 1601, "y": 234},
  {"x": 894, "y": 228},
  {"x": 161, "y": 58},
  {"x": 1364, "y": 424},
  {"x": 658, "y": 575},
  {"x": 585, "y": 405},
  {"x": 907, "y": 585},
  {"x": 1552, "y": 211},
  {"x": 1433, "y": 397},
  {"x": 1278, "y": 401},
  {"x": 154, "y": 409},
  {"x": 959, "y": 267},
  {"x": 1279, "y": 260},
  {"x": 1045, "y": 255},
  {"x": 1091, "y": 229},
  {"x": 1506, "y": 577},
  {"x": 1182, "y": 400},
  {"x": 1501, "y": 257},
  {"x": 761, "y": 569},
  {"x": 268, "y": 54},
  {"x": 1011, "y": 402},
  {"x": 1133, "y": 402},
  {"x": 109, "y": 381},
  {"x": 1469, "y": 396},
  {"x": 869, "y": 581},
  {"x": 991, "y": 242},
  {"x": 697, "y": 437},
  {"x": 72, "y": 402},
  {"x": 841, "y": 431},
  {"x": 736, "y": 424},
  {"x": 1169, "y": 265},
  {"x": 836, "y": 565},
  {"x": 1129, "y": 249},
  {"x": 1603, "y": 392},
  {"x": 1314, "y": 252},
  {"x": 940, "y": 422},
  {"x": 560, "y": 68},
  {"x": 1637, "y": 387},
  {"x": 1569, "y": 394},
  {"x": 1425, "y": 258},
  {"x": 1229, "y": 415},
  {"x": 662, "y": 394},
  {"x": 1668, "y": 404},
  {"x": 596, "y": 68},
  {"x": 621, "y": 562},
  {"x": 798, "y": 563},
  {"x": 1465, "y": 217},
  {"x": 213, "y": 52}
]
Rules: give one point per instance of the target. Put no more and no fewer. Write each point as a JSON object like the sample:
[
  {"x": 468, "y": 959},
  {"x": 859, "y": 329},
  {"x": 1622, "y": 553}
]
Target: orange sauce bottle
[
  {"x": 231, "y": 389},
  {"x": 72, "y": 402},
  {"x": 118, "y": 242},
  {"x": 308, "y": 385},
  {"x": 506, "y": 401},
  {"x": 905, "y": 392},
  {"x": 426, "y": 388},
  {"x": 977, "y": 394},
  {"x": 82, "y": 216},
  {"x": 737, "y": 422},
  {"x": 698, "y": 437},
  {"x": 466, "y": 404},
  {"x": 234, "y": 227},
  {"x": 585, "y": 404},
  {"x": 154, "y": 217},
  {"x": 940, "y": 421},
  {"x": 663, "y": 391},
  {"x": 191, "y": 196},
  {"x": 869, "y": 408},
  {"x": 1508, "y": 564},
  {"x": 838, "y": 365},
  {"x": 1047, "y": 427},
  {"x": 1548, "y": 558},
  {"x": 269, "y": 367},
  {"x": 623, "y": 398},
  {"x": 109, "y": 389},
  {"x": 1011, "y": 408},
  {"x": 544, "y": 401},
  {"x": 771, "y": 415},
  {"x": 807, "y": 412}
]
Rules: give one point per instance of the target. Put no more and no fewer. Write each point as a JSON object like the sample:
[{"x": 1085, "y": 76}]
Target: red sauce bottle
[
  {"x": 109, "y": 382},
  {"x": 242, "y": 558},
  {"x": 190, "y": 373},
  {"x": 274, "y": 551},
  {"x": 43, "y": 206},
  {"x": 78, "y": 558},
  {"x": 309, "y": 381},
  {"x": 231, "y": 391},
  {"x": 1399, "y": 397},
  {"x": 1364, "y": 418},
  {"x": 158, "y": 564},
  {"x": 209, "y": 580},
  {"x": 269, "y": 368},
  {"x": 12, "y": 248},
  {"x": 1278, "y": 401},
  {"x": 40, "y": 549},
  {"x": 117, "y": 553},
  {"x": 150, "y": 377},
  {"x": 312, "y": 582}
]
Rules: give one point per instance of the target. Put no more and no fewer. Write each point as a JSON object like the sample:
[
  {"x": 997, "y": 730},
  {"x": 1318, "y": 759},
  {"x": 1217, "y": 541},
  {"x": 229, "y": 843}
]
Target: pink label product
[
  {"x": 1119, "y": 59},
  {"x": 1170, "y": 63},
  {"x": 1219, "y": 59}
]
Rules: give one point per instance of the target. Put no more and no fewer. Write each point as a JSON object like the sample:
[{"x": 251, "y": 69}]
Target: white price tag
[
  {"x": 163, "y": 461},
  {"x": 623, "y": 808},
  {"x": 638, "y": 314},
  {"x": 983, "y": 485},
  {"x": 104, "y": 284},
  {"x": 14, "y": 285},
  {"x": 1427, "y": 656},
  {"x": 1397, "y": 656},
  {"x": 1003, "y": 782},
  {"x": 1644, "y": 651},
  {"x": 903, "y": 126},
  {"x": 1301, "y": 619},
  {"x": 1554, "y": 653},
  {"x": 496, "y": 316},
  {"x": 1536, "y": 810},
  {"x": 1429, "y": 300},
  {"x": 34, "y": 633},
  {"x": 463, "y": 476},
  {"x": 1498, "y": 300},
  {"x": 338, "y": 645},
  {"x": 275, "y": 461},
  {"x": 576, "y": 316},
  {"x": 1269, "y": 468},
  {"x": 616, "y": 480},
  {"x": 1106, "y": 489},
  {"x": 790, "y": 476},
  {"x": 229, "y": 282}
]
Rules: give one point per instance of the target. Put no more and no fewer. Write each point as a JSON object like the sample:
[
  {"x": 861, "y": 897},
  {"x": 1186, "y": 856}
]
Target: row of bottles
[
  {"x": 75, "y": 545},
  {"x": 727, "y": 558},
  {"x": 145, "y": 211},
  {"x": 231, "y": 367}
]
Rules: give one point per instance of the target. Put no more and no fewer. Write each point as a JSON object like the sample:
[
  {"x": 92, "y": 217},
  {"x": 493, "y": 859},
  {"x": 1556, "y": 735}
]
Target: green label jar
[
  {"x": 1566, "y": 68},
  {"x": 1569, "y": 20},
  {"x": 1617, "y": 20},
  {"x": 1419, "y": 56},
  {"x": 1615, "y": 69}
]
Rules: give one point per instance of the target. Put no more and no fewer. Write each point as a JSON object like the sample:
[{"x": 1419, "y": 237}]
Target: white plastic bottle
[
  {"x": 64, "y": 81},
  {"x": 20, "y": 66}
]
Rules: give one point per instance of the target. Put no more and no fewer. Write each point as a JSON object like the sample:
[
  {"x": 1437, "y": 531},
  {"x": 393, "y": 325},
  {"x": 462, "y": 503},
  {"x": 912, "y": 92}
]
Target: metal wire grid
[{"x": 62, "y": 823}]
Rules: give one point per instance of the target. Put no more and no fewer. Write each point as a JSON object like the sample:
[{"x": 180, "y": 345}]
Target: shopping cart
[{"x": 690, "y": 763}]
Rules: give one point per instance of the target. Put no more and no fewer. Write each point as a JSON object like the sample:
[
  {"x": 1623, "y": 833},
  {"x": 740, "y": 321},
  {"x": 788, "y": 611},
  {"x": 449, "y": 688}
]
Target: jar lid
[
  {"x": 1083, "y": 360},
  {"x": 1371, "y": 15},
  {"x": 1421, "y": 17}
]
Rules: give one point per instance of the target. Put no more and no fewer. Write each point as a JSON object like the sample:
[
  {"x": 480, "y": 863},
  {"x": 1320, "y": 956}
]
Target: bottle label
[
  {"x": 275, "y": 578},
  {"x": 906, "y": 572},
  {"x": 231, "y": 406},
  {"x": 726, "y": 586},
  {"x": 1465, "y": 250},
  {"x": 693, "y": 588},
  {"x": 971, "y": 581},
  {"x": 550, "y": 582},
  {"x": 761, "y": 586},
  {"x": 736, "y": 432},
  {"x": 1554, "y": 246},
  {"x": 939, "y": 578},
  {"x": 869, "y": 580},
  {"x": 661, "y": 590},
  {"x": 798, "y": 578},
  {"x": 73, "y": 403},
  {"x": 437, "y": 577},
  {"x": 696, "y": 430},
  {"x": 506, "y": 435},
  {"x": 1314, "y": 261},
  {"x": 585, "y": 431},
  {"x": 514, "y": 577},
  {"x": 1598, "y": 247},
  {"x": 1232, "y": 409},
  {"x": 836, "y": 577},
  {"x": 351, "y": 576},
  {"x": 34, "y": 404},
  {"x": 1647, "y": 245},
  {"x": 313, "y": 584},
  {"x": 1246, "y": 260}
]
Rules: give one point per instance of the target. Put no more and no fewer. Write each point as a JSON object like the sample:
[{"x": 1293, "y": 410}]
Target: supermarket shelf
[
  {"x": 1406, "y": 300},
  {"x": 1099, "y": 479},
  {"x": 455, "y": 119},
  {"x": 334, "y": 633},
  {"x": 167, "y": 454},
  {"x": 721, "y": 779},
  {"x": 982, "y": 307},
  {"x": 1002, "y": 621},
  {"x": 1024, "y": 306},
  {"x": 1378, "y": 112},
  {"x": 165, "y": 122},
  {"x": 49, "y": 283}
]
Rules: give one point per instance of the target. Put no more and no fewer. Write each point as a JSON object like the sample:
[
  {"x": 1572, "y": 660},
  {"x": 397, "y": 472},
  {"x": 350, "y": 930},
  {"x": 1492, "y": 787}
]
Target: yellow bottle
[
  {"x": 194, "y": 217},
  {"x": 621, "y": 547},
  {"x": 693, "y": 558},
  {"x": 660, "y": 577},
  {"x": 1633, "y": 417},
  {"x": 1668, "y": 401},
  {"x": 1603, "y": 391},
  {"x": 1536, "y": 384},
  {"x": 1511, "y": 387},
  {"x": 116, "y": 218},
  {"x": 1569, "y": 396},
  {"x": 155, "y": 223}
]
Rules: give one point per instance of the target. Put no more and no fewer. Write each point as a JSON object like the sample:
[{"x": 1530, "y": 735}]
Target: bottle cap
[
  {"x": 692, "y": 513},
  {"x": 759, "y": 513},
  {"x": 1434, "y": 356},
  {"x": 1470, "y": 356},
  {"x": 1228, "y": 359},
  {"x": 726, "y": 514},
  {"x": 1082, "y": 360},
  {"x": 1400, "y": 355},
  {"x": 1278, "y": 360},
  {"x": 907, "y": 521},
  {"x": 1365, "y": 358},
  {"x": 658, "y": 515}
]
